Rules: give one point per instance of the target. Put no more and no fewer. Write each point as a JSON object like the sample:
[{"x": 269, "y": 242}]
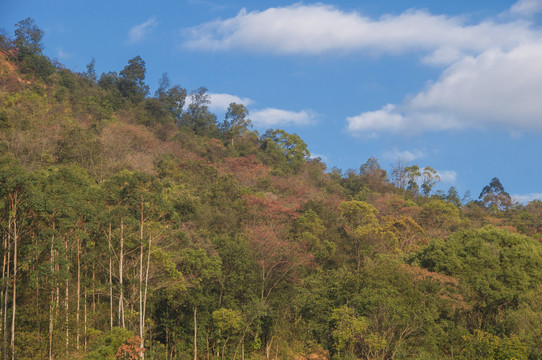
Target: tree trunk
[
  {"x": 85, "y": 309},
  {"x": 141, "y": 311},
  {"x": 77, "y": 317},
  {"x": 110, "y": 280},
  {"x": 195, "y": 333},
  {"x": 146, "y": 285},
  {"x": 52, "y": 299},
  {"x": 121, "y": 295},
  {"x": 6, "y": 294},
  {"x": 15, "y": 243},
  {"x": 93, "y": 291},
  {"x": 4, "y": 278},
  {"x": 66, "y": 299}
]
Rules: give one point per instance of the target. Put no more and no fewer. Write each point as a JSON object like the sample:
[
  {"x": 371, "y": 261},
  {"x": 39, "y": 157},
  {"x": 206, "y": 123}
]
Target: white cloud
[
  {"x": 526, "y": 7},
  {"x": 526, "y": 198},
  {"x": 138, "y": 32},
  {"x": 447, "y": 176},
  {"x": 406, "y": 155},
  {"x": 385, "y": 119},
  {"x": 494, "y": 89},
  {"x": 267, "y": 117},
  {"x": 221, "y": 102},
  {"x": 276, "y": 117},
  {"x": 319, "y": 28}
]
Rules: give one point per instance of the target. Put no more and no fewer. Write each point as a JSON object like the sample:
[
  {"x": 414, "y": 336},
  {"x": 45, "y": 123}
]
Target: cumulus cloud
[
  {"x": 526, "y": 7},
  {"x": 277, "y": 117},
  {"x": 221, "y": 102},
  {"x": 267, "y": 117},
  {"x": 138, "y": 32},
  {"x": 319, "y": 28},
  {"x": 494, "y": 89},
  {"x": 526, "y": 198},
  {"x": 492, "y": 76}
]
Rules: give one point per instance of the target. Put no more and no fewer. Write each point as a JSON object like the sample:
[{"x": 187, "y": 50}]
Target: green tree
[
  {"x": 227, "y": 323},
  {"x": 172, "y": 98},
  {"x": 236, "y": 123},
  {"x": 348, "y": 329},
  {"x": 28, "y": 37},
  {"x": 429, "y": 178},
  {"x": 287, "y": 151},
  {"x": 90, "y": 74},
  {"x": 496, "y": 269},
  {"x": 360, "y": 222},
  {"x": 197, "y": 117},
  {"x": 131, "y": 80},
  {"x": 485, "y": 346}
]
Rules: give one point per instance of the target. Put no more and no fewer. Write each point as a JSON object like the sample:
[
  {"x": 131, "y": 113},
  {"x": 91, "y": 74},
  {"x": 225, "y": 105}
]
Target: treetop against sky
[{"x": 452, "y": 85}]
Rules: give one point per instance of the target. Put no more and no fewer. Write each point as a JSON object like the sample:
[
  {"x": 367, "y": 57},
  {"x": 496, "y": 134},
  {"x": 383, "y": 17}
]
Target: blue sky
[{"x": 455, "y": 85}]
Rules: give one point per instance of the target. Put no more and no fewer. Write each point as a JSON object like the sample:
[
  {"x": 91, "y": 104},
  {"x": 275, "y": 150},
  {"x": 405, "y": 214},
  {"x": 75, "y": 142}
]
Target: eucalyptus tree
[{"x": 14, "y": 205}]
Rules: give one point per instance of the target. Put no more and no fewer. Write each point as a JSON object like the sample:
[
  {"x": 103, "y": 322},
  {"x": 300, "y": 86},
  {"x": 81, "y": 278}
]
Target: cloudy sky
[{"x": 455, "y": 85}]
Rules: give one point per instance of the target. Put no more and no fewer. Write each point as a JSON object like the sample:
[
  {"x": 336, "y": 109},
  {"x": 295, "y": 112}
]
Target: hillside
[{"x": 133, "y": 219}]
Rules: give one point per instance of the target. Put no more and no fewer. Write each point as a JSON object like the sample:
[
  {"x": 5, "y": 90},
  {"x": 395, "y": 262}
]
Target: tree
[
  {"x": 429, "y": 178},
  {"x": 236, "y": 123},
  {"x": 426, "y": 179},
  {"x": 373, "y": 175},
  {"x": 131, "y": 80},
  {"x": 197, "y": 117},
  {"x": 412, "y": 174},
  {"x": 201, "y": 271},
  {"x": 399, "y": 174},
  {"x": 363, "y": 229},
  {"x": 288, "y": 151},
  {"x": 348, "y": 329},
  {"x": 90, "y": 74},
  {"x": 228, "y": 323},
  {"x": 496, "y": 269},
  {"x": 14, "y": 197},
  {"x": 28, "y": 37},
  {"x": 28, "y": 42},
  {"x": 172, "y": 98},
  {"x": 493, "y": 195}
]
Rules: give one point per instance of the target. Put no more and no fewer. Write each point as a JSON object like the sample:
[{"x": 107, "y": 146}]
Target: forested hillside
[{"x": 141, "y": 225}]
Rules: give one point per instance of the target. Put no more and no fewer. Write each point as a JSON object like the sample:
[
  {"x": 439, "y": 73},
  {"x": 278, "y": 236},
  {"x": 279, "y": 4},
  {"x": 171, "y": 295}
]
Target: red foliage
[
  {"x": 394, "y": 205},
  {"x": 278, "y": 257},
  {"x": 131, "y": 350},
  {"x": 269, "y": 208},
  {"x": 247, "y": 169}
]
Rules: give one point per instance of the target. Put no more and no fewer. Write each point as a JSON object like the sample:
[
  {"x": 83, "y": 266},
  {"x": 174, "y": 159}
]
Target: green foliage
[
  {"x": 271, "y": 253},
  {"x": 106, "y": 344},
  {"x": 348, "y": 329},
  {"x": 131, "y": 80},
  {"x": 485, "y": 346},
  {"x": 287, "y": 151},
  {"x": 236, "y": 123},
  {"x": 197, "y": 117},
  {"x": 497, "y": 267},
  {"x": 28, "y": 37},
  {"x": 227, "y": 321}
]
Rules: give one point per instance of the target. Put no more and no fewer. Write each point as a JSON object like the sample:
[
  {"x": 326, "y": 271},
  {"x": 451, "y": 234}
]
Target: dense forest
[{"x": 140, "y": 225}]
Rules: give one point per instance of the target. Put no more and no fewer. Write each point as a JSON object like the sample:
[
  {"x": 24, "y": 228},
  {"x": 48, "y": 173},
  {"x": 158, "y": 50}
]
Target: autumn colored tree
[{"x": 493, "y": 195}]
